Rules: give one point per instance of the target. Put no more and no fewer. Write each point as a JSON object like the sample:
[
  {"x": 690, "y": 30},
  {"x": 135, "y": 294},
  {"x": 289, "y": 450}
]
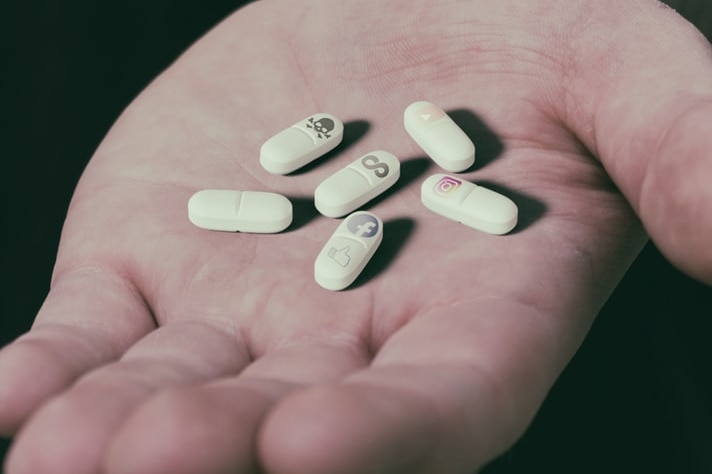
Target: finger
[
  {"x": 643, "y": 106},
  {"x": 88, "y": 319},
  {"x": 85, "y": 416},
  {"x": 212, "y": 428},
  {"x": 676, "y": 196},
  {"x": 449, "y": 392}
]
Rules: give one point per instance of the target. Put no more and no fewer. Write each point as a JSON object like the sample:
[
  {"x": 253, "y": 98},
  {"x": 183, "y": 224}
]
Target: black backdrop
[{"x": 636, "y": 398}]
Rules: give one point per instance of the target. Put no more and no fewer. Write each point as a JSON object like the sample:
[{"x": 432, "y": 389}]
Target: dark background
[{"x": 636, "y": 398}]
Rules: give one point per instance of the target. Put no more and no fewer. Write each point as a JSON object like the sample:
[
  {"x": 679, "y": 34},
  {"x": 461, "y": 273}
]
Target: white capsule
[
  {"x": 439, "y": 136},
  {"x": 301, "y": 143},
  {"x": 356, "y": 184},
  {"x": 348, "y": 250},
  {"x": 240, "y": 211},
  {"x": 474, "y": 206}
]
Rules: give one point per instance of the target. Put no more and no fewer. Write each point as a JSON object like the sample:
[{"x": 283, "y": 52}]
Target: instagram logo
[{"x": 446, "y": 185}]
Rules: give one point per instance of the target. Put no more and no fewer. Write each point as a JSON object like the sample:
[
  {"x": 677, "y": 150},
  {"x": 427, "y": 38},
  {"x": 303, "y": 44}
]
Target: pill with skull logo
[{"x": 302, "y": 143}]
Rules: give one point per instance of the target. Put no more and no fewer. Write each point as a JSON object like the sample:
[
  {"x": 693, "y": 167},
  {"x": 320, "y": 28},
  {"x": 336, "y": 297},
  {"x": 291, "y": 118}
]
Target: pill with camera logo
[
  {"x": 439, "y": 136},
  {"x": 357, "y": 183},
  {"x": 470, "y": 204},
  {"x": 348, "y": 250},
  {"x": 301, "y": 143}
]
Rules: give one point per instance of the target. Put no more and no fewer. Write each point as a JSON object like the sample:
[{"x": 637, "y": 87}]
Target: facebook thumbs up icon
[{"x": 340, "y": 256}]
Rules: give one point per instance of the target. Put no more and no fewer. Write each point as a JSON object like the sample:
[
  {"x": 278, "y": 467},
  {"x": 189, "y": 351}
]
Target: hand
[{"x": 167, "y": 348}]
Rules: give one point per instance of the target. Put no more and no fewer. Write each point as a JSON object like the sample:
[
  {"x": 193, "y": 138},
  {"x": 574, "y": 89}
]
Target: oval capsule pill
[
  {"x": 470, "y": 204},
  {"x": 348, "y": 250},
  {"x": 301, "y": 143},
  {"x": 240, "y": 211},
  {"x": 357, "y": 183},
  {"x": 439, "y": 136}
]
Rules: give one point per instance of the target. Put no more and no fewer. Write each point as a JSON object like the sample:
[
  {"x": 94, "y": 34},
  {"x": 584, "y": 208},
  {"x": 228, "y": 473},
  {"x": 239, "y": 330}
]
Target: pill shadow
[
  {"x": 488, "y": 145},
  {"x": 531, "y": 209},
  {"x": 354, "y": 130},
  {"x": 410, "y": 170},
  {"x": 396, "y": 233},
  {"x": 303, "y": 212}
]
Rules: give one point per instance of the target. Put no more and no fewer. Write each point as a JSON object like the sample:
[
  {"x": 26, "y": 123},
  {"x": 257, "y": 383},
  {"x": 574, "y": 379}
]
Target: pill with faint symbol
[
  {"x": 356, "y": 184},
  {"x": 240, "y": 211},
  {"x": 470, "y": 204},
  {"x": 301, "y": 143},
  {"x": 348, "y": 250},
  {"x": 439, "y": 136}
]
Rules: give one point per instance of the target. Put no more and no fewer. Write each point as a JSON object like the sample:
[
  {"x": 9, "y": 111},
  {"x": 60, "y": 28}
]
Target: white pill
[
  {"x": 439, "y": 136},
  {"x": 301, "y": 143},
  {"x": 240, "y": 211},
  {"x": 348, "y": 250},
  {"x": 356, "y": 184},
  {"x": 472, "y": 205}
]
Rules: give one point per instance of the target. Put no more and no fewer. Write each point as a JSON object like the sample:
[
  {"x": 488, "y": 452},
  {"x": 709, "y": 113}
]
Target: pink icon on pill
[
  {"x": 446, "y": 185},
  {"x": 430, "y": 114}
]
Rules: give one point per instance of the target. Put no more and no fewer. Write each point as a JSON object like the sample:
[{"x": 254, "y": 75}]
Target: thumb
[
  {"x": 649, "y": 99},
  {"x": 676, "y": 191}
]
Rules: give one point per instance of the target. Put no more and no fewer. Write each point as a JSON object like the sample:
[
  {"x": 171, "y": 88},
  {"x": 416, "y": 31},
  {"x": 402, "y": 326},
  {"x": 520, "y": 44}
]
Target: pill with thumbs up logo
[{"x": 348, "y": 250}]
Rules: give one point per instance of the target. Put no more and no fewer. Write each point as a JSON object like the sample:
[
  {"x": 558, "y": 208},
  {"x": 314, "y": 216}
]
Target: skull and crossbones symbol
[{"x": 322, "y": 127}]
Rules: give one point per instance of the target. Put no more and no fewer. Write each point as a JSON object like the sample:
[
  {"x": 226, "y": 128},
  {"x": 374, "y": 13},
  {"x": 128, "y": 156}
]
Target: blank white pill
[
  {"x": 474, "y": 206},
  {"x": 348, "y": 250},
  {"x": 439, "y": 136},
  {"x": 240, "y": 211},
  {"x": 356, "y": 184},
  {"x": 301, "y": 143}
]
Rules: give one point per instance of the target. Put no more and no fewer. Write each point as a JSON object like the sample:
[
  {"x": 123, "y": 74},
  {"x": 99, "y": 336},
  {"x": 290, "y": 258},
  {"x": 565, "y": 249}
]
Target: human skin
[
  {"x": 167, "y": 348},
  {"x": 698, "y": 12}
]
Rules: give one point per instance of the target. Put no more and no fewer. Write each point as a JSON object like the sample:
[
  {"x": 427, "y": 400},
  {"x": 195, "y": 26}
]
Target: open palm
[{"x": 168, "y": 348}]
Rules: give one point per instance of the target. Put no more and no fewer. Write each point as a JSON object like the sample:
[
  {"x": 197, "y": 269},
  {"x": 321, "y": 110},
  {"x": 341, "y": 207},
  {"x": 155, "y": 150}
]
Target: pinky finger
[{"x": 87, "y": 320}]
